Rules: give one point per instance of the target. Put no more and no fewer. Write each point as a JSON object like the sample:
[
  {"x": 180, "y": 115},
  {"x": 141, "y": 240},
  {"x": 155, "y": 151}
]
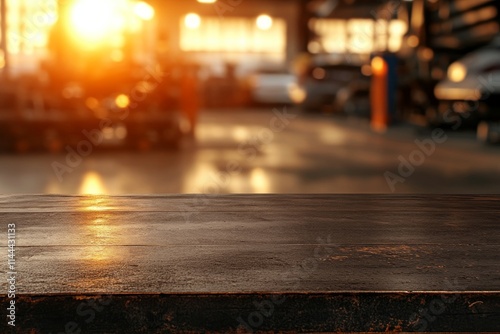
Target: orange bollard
[{"x": 379, "y": 95}]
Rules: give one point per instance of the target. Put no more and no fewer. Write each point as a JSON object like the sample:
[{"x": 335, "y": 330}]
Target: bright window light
[
  {"x": 192, "y": 21},
  {"x": 144, "y": 11},
  {"x": 264, "y": 22}
]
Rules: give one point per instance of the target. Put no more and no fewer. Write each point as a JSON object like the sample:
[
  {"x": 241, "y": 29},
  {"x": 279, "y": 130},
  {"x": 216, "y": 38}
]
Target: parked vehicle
[
  {"x": 474, "y": 79},
  {"x": 270, "y": 87},
  {"x": 471, "y": 90},
  {"x": 332, "y": 87}
]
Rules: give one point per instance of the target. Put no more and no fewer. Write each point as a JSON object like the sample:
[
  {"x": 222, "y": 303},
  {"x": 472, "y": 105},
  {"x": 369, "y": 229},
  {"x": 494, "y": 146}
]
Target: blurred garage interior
[{"x": 249, "y": 96}]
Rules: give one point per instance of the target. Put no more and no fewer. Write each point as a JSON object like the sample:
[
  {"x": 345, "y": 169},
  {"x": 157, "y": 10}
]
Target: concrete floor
[{"x": 261, "y": 151}]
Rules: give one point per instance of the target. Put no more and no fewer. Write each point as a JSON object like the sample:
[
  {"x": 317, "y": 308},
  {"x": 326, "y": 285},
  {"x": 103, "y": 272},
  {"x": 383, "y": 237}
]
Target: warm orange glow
[
  {"x": 122, "y": 101},
  {"x": 240, "y": 35},
  {"x": 314, "y": 47},
  {"x": 264, "y": 22},
  {"x": 360, "y": 36},
  {"x": 144, "y": 11},
  {"x": 121, "y": 132},
  {"x": 413, "y": 41},
  {"x": 379, "y": 96},
  {"x": 443, "y": 92},
  {"x": 28, "y": 25},
  {"x": 92, "y": 185},
  {"x": 426, "y": 54},
  {"x": 97, "y": 20},
  {"x": 117, "y": 55},
  {"x": 397, "y": 29},
  {"x": 357, "y": 36},
  {"x": 457, "y": 72},
  {"x": 319, "y": 73},
  {"x": 378, "y": 66},
  {"x": 92, "y": 103},
  {"x": 366, "y": 70},
  {"x": 297, "y": 94},
  {"x": 98, "y": 232},
  {"x": 260, "y": 181},
  {"x": 192, "y": 21}
]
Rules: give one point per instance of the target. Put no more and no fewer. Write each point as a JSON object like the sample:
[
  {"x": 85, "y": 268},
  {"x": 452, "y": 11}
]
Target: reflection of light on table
[
  {"x": 96, "y": 254},
  {"x": 101, "y": 235},
  {"x": 259, "y": 181},
  {"x": 94, "y": 203},
  {"x": 92, "y": 185}
]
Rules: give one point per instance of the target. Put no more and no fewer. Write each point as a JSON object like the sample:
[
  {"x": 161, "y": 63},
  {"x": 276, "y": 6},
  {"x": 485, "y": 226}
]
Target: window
[
  {"x": 357, "y": 36},
  {"x": 242, "y": 35},
  {"x": 28, "y": 25}
]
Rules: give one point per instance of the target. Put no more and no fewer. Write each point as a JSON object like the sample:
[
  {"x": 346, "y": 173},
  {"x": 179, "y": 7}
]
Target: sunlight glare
[
  {"x": 144, "y": 11},
  {"x": 92, "y": 184},
  {"x": 264, "y": 22},
  {"x": 192, "y": 21},
  {"x": 96, "y": 20}
]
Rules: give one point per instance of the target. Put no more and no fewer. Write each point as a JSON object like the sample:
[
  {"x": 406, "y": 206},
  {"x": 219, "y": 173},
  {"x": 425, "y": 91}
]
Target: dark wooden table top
[{"x": 253, "y": 243}]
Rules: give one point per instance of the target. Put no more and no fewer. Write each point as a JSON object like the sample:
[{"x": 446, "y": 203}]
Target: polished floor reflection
[{"x": 260, "y": 151}]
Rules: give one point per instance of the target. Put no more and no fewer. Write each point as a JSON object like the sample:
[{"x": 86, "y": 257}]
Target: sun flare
[{"x": 93, "y": 21}]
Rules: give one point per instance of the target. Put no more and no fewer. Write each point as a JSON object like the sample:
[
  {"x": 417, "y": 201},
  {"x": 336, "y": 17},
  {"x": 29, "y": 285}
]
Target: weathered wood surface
[
  {"x": 255, "y": 243},
  {"x": 398, "y": 252}
]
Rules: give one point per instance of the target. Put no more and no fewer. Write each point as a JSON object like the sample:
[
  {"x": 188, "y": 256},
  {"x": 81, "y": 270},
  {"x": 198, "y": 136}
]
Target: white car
[
  {"x": 271, "y": 87},
  {"x": 474, "y": 78},
  {"x": 472, "y": 89}
]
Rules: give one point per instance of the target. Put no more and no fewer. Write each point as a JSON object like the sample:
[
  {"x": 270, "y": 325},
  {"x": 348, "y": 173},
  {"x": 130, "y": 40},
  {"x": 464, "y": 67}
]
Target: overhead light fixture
[
  {"x": 207, "y": 1},
  {"x": 457, "y": 72},
  {"x": 264, "y": 22},
  {"x": 91, "y": 26},
  {"x": 379, "y": 66},
  {"x": 192, "y": 21},
  {"x": 144, "y": 11}
]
